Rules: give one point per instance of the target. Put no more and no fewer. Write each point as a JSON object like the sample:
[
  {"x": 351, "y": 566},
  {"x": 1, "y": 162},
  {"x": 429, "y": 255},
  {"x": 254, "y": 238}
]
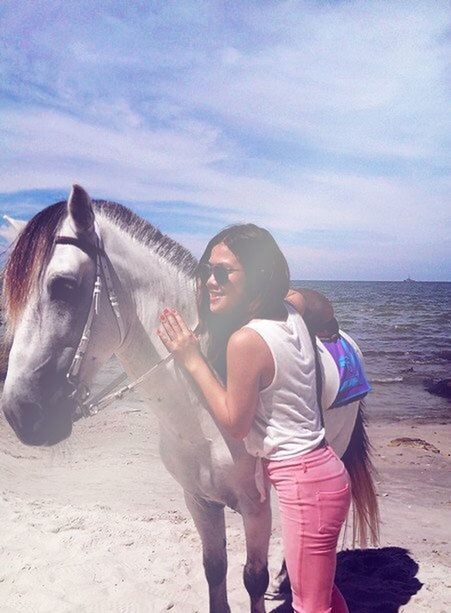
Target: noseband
[{"x": 96, "y": 252}]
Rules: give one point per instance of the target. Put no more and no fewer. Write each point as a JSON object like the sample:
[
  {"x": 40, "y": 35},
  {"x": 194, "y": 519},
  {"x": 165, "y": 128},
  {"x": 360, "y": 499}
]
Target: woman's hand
[{"x": 179, "y": 339}]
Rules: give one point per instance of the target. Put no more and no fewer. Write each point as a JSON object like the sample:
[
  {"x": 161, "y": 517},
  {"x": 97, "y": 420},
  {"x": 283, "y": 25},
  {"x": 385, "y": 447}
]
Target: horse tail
[{"x": 357, "y": 459}]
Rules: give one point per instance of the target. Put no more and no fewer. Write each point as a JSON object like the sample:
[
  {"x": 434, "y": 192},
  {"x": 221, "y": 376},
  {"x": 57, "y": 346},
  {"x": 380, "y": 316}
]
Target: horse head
[{"x": 48, "y": 294}]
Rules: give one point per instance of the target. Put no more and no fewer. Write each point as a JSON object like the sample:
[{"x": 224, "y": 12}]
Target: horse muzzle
[{"x": 37, "y": 426}]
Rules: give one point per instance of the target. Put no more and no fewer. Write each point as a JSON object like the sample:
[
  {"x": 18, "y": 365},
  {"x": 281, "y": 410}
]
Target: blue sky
[{"x": 325, "y": 122}]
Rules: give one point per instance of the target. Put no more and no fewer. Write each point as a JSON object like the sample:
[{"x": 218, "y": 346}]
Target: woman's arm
[
  {"x": 311, "y": 303},
  {"x": 296, "y": 299},
  {"x": 316, "y": 309},
  {"x": 234, "y": 406}
]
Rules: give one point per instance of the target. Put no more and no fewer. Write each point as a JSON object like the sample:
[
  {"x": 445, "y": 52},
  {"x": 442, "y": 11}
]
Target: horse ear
[
  {"x": 79, "y": 208},
  {"x": 11, "y": 232},
  {"x": 16, "y": 224}
]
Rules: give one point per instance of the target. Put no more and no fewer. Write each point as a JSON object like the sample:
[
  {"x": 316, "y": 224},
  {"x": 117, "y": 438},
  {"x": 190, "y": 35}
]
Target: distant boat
[{"x": 409, "y": 280}]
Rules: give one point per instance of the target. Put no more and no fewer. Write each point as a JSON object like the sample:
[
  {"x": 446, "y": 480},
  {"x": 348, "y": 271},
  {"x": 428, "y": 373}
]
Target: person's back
[{"x": 288, "y": 419}]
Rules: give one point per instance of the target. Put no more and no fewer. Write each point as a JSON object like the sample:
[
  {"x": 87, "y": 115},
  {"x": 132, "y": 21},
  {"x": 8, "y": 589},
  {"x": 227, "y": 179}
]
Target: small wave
[
  {"x": 388, "y": 380},
  {"x": 406, "y": 327},
  {"x": 378, "y": 312},
  {"x": 376, "y": 352},
  {"x": 429, "y": 359}
]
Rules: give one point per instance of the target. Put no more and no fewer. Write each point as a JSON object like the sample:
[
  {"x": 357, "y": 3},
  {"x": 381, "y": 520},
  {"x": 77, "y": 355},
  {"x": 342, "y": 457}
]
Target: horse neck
[{"x": 147, "y": 283}]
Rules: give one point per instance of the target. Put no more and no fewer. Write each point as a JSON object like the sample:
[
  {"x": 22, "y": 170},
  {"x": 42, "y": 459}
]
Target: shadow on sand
[{"x": 371, "y": 580}]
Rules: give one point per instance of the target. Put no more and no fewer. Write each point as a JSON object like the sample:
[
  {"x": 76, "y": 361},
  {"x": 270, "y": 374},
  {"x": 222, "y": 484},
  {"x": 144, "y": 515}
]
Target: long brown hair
[{"x": 267, "y": 283}]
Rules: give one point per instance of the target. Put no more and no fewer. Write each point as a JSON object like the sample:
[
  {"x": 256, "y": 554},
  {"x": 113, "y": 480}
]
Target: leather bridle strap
[
  {"x": 88, "y": 248},
  {"x": 98, "y": 255},
  {"x": 106, "y": 268},
  {"x": 100, "y": 258}
]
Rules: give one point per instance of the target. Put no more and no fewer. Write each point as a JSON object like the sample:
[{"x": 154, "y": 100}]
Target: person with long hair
[{"x": 259, "y": 382}]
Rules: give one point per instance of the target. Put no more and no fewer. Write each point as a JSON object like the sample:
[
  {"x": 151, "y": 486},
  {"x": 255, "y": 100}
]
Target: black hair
[{"x": 267, "y": 283}]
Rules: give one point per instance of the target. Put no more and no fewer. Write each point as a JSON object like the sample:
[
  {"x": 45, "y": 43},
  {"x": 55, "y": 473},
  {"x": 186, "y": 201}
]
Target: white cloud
[
  {"x": 54, "y": 150},
  {"x": 359, "y": 78},
  {"x": 346, "y": 77}
]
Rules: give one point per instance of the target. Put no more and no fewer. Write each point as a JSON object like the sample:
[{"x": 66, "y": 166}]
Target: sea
[{"x": 403, "y": 329}]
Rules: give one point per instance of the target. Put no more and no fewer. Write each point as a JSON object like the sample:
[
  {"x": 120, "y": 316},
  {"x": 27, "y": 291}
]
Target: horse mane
[
  {"x": 148, "y": 235},
  {"x": 34, "y": 247}
]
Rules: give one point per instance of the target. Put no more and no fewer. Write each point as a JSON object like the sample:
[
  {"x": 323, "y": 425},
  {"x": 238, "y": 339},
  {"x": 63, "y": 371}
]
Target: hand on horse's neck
[{"x": 148, "y": 283}]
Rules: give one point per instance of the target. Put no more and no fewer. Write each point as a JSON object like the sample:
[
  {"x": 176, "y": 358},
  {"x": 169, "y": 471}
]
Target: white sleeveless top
[{"x": 287, "y": 421}]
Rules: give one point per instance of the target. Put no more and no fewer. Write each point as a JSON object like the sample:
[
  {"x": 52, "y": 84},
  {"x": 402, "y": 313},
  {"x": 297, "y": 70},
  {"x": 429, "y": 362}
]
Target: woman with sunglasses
[{"x": 263, "y": 390}]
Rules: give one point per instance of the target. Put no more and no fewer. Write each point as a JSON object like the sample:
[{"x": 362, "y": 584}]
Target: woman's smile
[
  {"x": 214, "y": 296},
  {"x": 215, "y": 300},
  {"x": 229, "y": 293}
]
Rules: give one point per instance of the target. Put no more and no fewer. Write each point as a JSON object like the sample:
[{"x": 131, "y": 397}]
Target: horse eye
[{"x": 64, "y": 290}]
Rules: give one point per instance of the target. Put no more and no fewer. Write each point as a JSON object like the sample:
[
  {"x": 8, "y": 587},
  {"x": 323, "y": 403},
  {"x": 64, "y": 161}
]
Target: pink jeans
[{"x": 314, "y": 496}]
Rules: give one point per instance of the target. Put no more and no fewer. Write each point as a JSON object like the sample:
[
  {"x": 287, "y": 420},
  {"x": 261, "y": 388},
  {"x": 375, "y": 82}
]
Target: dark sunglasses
[{"x": 219, "y": 272}]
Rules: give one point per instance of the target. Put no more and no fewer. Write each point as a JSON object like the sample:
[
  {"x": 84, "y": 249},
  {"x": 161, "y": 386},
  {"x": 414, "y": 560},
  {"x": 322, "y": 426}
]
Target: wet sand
[{"x": 97, "y": 524}]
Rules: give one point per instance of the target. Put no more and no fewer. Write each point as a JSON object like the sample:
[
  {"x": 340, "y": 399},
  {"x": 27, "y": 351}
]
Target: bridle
[
  {"x": 96, "y": 252},
  {"x": 80, "y": 390}
]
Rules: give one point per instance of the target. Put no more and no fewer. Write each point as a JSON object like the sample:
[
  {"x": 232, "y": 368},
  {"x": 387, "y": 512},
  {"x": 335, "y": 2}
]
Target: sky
[{"x": 323, "y": 121}]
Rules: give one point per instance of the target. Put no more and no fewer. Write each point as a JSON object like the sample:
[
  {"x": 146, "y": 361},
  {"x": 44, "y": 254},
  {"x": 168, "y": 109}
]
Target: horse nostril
[
  {"x": 35, "y": 425},
  {"x": 26, "y": 420}
]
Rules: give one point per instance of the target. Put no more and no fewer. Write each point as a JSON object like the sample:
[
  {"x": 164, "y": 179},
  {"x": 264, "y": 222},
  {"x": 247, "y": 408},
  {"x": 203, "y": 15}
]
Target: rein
[{"x": 81, "y": 391}]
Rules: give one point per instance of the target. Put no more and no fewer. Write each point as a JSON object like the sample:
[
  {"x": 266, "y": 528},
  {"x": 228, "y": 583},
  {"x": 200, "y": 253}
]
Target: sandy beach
[{"x": 97, "y": 524}]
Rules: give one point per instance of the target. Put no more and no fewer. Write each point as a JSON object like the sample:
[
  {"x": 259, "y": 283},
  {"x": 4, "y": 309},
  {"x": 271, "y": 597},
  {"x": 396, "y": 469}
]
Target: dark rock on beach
[
  {"x": 413, "y": 442},
  {"x": 439, "y": 387}
]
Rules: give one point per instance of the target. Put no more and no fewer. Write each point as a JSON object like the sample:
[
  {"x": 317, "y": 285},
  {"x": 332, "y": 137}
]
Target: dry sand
[{"x": 97, "y": 524}]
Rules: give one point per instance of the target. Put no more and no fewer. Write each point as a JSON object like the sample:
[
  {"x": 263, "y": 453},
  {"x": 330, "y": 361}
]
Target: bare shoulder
[
  {"x": 246, "y": 340},
  {"x": 249, "y": 356}
]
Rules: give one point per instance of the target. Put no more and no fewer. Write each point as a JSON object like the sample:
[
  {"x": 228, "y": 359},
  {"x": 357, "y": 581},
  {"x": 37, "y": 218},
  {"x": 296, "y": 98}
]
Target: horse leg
[
  {"x": 257, "y": 528},
  {"x": 210, "y": 523}
]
